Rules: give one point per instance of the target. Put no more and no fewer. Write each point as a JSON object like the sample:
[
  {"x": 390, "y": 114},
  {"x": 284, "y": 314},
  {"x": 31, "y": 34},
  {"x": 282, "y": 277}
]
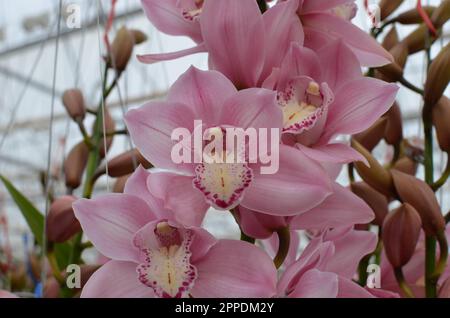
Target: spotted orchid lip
[
  {"x": 223, "y": 184},
  {"x": 166, "y": 267},
  {"x": 194, "y": 11},
  {"x": 302, "y": 105}
]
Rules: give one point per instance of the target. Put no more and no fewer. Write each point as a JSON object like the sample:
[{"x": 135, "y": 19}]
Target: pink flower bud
[
  {"x": 73, "y": 101},
  {"x": 419, "y": 194},
  {"x": 401, "y": 231},
  {"x": 61, "y": 221}
]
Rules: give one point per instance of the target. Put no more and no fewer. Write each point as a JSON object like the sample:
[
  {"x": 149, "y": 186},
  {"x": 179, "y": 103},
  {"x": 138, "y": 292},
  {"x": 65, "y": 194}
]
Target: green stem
[
  {"x": 402, "y": 283},
  {"x": 447, "y": 217},
  {"x": 246, "y": 238},
  {"x": 430, "y": 263},
  {"x": 362, "y": 270},
  {"x": 445, "y": 175},
  {"x": 93, "y": 161},
  {"x": 442, "y": 262},
  {"x": 411, "y": 86},
  {"x": 284, "y": 240}
]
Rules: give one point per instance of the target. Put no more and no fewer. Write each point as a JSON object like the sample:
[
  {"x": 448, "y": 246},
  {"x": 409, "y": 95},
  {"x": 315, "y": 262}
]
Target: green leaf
[
  {"x": 62, "y": 254},
  {"x": 32, "y": 215}
]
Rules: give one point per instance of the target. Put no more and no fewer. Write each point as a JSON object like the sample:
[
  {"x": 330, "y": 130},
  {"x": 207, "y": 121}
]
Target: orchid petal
[
  {"x": 368, "y": 51},
  {"x": 235, "y": 269},
  {"x": 110, "y": 222},
  {"x": 205, "y": 92},
  {"x": 116, "y": 279},
  {"x": 151, "y": 127},
  {"x": 299, "y": 185},
  {"x": 239, "y": 51},
  {"x": 159, "y": 57},
  {"x": 357, "y": 105},
  {"x": 179, "y": 196},
  {"x": 342, "y": 208},
  {"x": 168, "y": 18}
]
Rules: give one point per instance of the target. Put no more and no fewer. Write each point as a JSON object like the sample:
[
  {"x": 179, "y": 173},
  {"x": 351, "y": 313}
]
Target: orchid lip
[
  {"x": 167, "y": 268},
  {"x": 301, "y": 106}
]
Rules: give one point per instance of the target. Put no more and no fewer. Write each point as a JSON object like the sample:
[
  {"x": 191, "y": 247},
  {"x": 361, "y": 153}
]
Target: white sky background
[{"x": 30, "y": 143}]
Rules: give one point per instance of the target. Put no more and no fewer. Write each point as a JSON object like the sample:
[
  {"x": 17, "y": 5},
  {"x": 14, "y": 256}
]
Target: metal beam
[
  {"x": 37, "y": 85},
  {"x": 42, "y": 123},
  {"x": 67, "y": 32}
]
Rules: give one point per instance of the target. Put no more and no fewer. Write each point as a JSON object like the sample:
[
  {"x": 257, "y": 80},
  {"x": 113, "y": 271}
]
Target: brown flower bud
[
  {"x": 373, "y": 135},
  {"x": 444, "y": 291},
  {"x": 388, "y": 6},
  {"x": 419, "y": 194},
  {"x": 119, "y": 185},
  {"x": 394, "y": 71},
  {"x": 124, "y": 163},
  {"x": 406, "y": 165},
  {"x": 412, "y": 16},
  {"x": 438, "y": 77},
  {"x": 73, "y": 101},
  {"x": 394, "y": 131},
  {"x": 52, "y": 288},
  {"x": 61, "y": 221},
  {"x": 401, "y": 231},
  {"x": 139, "y": 36},
  {"x": 75, "y": 164},
  {"x": 416, "y": 40},
  {"x": 86, "y": 272},
  {"x": 375, "y": 175},
  {"x": 441, "y": 120},
  {"x": 391, "y": 39},
  {"x": 441, "y": 14},
  {"x": 122, "y": 49},
  {"x": 374, "y": 199}
]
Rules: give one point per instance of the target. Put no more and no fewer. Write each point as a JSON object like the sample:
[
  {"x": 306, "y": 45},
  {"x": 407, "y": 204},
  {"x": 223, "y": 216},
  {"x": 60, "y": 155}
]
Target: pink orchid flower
[
  {"x": 299, "y": 185},
  {"x": 323, "y": 95},
  {"x": 341, "y": 209},
  {"x": 327, "y": 20},
  {"x": 242, "y": 43},
  {"x": 327, "y": 265},
  {"x": 154, "y": 256}
]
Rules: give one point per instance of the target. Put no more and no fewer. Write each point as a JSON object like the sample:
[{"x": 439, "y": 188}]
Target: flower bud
[
  {"x": 51, "y": 288},
  {"x": 438, "y": 77},
  {"x": 401, "y": 231},
  {"x": 388, "y": 6},
  {"x": 73, "y": 101},
  {"x": 125, "y": 163},
  {"x": 419, "y": 194},
  {"x": 119, "y": 185},
  {"x": 441, "y": 120},
  {"x": 406, "y": 165},
  {"x": 394, "y": 132},
  {"x": 416, "y": 41},
  {"x": 412, "y": 16},
  {"x": 374, "y": 199},
  {"x": 122, "y": 49},
  {"x": 391, "y": 39},
  {"x": 75, "y": 164},
  {"x": 375, "y": 175},
  {"x": 61, "y": 221},
  {"x": 139, "y": 36},
  {"x": 370, "y": 138},
  {"x": 441, "y": 14},
  {"x": 394, "y": 71},
  {"x": 444, "y": 291}
]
